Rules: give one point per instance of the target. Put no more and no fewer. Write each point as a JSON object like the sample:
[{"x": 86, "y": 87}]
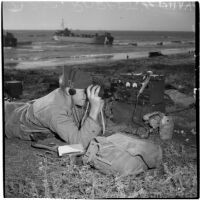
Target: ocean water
[{"x": 45, "y": 52}]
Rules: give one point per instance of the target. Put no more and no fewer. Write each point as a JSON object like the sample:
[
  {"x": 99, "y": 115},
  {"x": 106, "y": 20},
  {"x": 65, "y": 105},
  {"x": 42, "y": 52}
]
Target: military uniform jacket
[{"x": 53, "y": 113}]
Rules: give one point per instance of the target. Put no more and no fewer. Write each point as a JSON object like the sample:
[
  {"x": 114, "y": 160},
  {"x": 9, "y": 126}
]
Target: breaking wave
[{"x": 150, "y": 43}]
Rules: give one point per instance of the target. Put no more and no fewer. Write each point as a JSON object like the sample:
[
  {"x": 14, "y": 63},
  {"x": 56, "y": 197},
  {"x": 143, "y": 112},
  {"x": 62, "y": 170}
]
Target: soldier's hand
[{"x": 95, "y": 101}]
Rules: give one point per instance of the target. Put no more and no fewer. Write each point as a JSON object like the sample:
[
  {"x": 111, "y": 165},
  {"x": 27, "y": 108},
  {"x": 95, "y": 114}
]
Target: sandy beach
[{"x": 85, "y": 59}]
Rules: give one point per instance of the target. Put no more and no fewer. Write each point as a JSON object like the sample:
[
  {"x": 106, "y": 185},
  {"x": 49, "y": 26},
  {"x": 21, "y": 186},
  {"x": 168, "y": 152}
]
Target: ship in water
[{"x": 66, "y": 35}]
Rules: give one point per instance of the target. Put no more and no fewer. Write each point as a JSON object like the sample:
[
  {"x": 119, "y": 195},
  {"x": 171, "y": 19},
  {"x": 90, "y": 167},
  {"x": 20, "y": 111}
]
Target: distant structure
[{"x": 9, "y": 40}]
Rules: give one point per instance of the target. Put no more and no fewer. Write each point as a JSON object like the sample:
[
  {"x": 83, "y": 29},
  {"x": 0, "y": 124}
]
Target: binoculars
[{"x": 105, "y": 93}]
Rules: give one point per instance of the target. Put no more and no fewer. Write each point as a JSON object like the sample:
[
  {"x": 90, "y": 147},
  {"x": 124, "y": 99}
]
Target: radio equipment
[
  {"x": 126, "y": 87},
  {"x": 133, "y": 94}
]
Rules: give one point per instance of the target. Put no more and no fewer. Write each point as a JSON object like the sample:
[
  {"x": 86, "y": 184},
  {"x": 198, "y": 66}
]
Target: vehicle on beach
[
  {"x": 67, "y": 36},
  {"x": 9, "y": 40}
]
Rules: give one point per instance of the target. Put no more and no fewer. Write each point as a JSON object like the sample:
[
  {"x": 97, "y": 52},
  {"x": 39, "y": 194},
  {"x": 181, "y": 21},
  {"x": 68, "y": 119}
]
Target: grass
[
  {"x": 61, "y": 178},
  {"x": 32, "y": 173}
]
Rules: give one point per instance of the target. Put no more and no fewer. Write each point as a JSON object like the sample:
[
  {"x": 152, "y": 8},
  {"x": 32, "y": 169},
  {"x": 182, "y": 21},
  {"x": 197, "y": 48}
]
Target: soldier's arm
[{"x": 64, "y": 125}]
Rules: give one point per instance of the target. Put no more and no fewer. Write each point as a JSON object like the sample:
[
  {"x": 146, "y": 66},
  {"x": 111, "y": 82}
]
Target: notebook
[{"x": 69, "y": 149}]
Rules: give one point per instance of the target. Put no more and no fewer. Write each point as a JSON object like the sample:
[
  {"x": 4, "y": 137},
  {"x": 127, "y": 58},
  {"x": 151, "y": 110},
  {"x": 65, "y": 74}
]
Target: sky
[{"x": 135, "y": 16}]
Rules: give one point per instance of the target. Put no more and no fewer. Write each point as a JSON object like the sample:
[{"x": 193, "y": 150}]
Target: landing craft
[{"x": 67, "y": 35}]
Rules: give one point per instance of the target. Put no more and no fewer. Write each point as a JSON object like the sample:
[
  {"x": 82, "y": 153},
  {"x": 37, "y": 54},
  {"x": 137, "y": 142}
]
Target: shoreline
[{"x": 91, "y": 59}]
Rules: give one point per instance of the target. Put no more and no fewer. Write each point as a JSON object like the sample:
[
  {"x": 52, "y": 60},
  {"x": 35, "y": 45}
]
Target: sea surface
[{"x": 45, "y": 52}]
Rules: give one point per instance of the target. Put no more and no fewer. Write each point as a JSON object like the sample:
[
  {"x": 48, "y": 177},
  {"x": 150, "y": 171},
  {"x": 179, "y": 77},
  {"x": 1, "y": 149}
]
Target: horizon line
[{"x": 96, "y": 30}]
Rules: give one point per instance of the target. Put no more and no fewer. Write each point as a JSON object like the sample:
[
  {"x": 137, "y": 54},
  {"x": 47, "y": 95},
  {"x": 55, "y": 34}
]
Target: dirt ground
[{"x": 30, "y": 172}]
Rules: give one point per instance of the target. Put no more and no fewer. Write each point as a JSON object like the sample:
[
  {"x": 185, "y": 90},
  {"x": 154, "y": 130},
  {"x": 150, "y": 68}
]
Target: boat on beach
[{"x": 66, "y": 35}]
